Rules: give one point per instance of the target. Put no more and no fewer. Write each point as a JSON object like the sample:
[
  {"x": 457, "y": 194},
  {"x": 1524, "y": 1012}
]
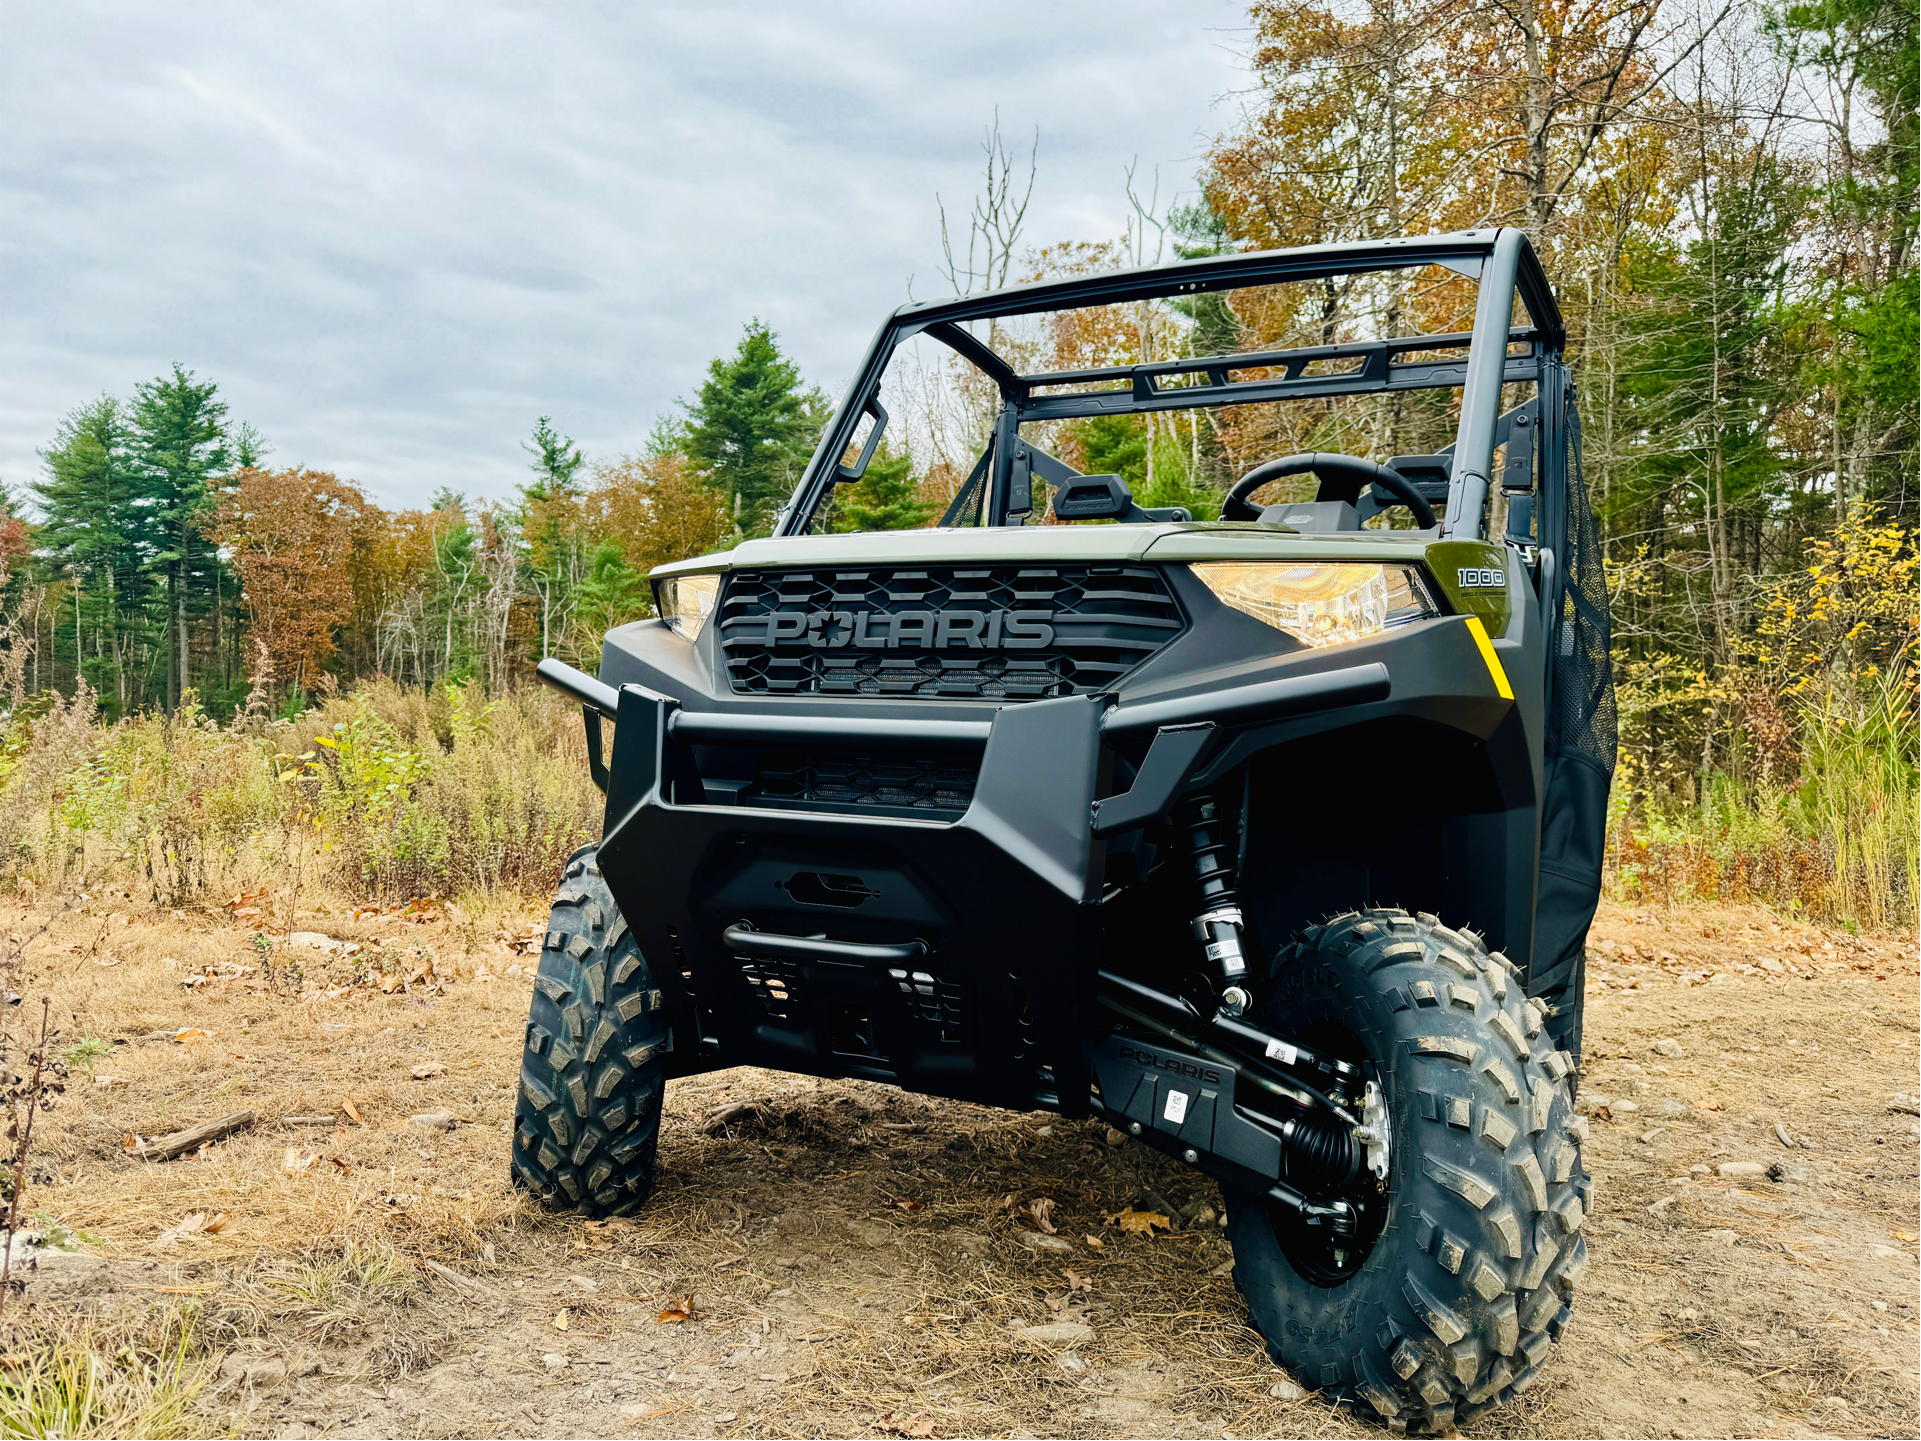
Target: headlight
[
  {"x": 1321, "y": 604},
  {"x": 686, "y": 601}
]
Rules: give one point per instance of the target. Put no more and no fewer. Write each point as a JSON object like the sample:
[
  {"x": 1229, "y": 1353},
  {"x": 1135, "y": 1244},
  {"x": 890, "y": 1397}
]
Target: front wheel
[
  {"x": 587, "y": 1121},
  {"x": 1447, "y": 1295}
]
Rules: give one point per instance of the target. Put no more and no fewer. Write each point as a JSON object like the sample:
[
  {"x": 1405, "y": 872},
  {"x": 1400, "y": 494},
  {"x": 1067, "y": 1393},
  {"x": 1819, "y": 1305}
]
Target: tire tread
[{"x": 586, "y": 1126}]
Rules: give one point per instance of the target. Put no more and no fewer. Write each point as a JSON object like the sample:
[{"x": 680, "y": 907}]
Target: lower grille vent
[
  {"x": 932, "y": 786},
  {"x": 933, "y": 999},
  {"x": 775, "y": 984}
]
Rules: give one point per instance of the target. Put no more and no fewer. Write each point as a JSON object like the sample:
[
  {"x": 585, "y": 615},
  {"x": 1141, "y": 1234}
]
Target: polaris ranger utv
[{"x": 1271, "y": 841}]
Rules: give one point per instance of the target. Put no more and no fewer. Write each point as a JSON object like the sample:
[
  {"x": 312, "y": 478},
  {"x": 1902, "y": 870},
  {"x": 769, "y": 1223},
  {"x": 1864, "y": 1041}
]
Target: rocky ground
[{"x": 842, "y": 1259}]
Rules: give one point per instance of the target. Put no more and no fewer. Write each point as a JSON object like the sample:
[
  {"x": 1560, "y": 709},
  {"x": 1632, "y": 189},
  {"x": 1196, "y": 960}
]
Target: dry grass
[
  {"x": 74, "y": 1377},
  {"x": 898, "y": 1217},
  {"x": 382, "y": 794}
]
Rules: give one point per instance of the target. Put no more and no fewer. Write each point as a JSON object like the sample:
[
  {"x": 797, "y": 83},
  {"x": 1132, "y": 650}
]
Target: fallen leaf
[
  {"x": 1708, "y": 1105},
  {"x": 296, "y": 1164},
  {"x": 1901, "y": 1235},
  {"x": 188, "y": 1225},
  {"x": 189, "y": 1033},
  {"x": 346, "y": 1167},
  {"x": 911, "y": 1205},
  {"x": 917, "y": 1425},
  {"x": 353, "y": 1115},
  {"x": 427, "y": 1070},
  {"x": 194, "y": 1223},
  {"x": 1095, "y": 1242},
  {"x": 678, "y": 1308},
  {"x": 1142, "y": 1223},
  {"x": 1040, "y": 1209},
  {"x": 1078, "y": 1281},
  {"x": 560, "y": 1321}
]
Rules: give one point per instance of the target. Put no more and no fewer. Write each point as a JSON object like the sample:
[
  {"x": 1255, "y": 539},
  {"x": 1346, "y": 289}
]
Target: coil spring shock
[{"x": 1210, "y": 847}]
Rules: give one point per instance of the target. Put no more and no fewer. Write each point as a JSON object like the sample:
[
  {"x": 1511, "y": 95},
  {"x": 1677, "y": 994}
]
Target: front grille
[
  {"x": 1003, "y": 632},
  {"x": 945, "y": 785}
]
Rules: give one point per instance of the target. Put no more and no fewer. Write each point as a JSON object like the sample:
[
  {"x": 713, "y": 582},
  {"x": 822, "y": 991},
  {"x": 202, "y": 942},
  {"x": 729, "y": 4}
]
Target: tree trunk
[
  {"x": 1535, "y": 121},
  {"x": 173, "y": 608}
]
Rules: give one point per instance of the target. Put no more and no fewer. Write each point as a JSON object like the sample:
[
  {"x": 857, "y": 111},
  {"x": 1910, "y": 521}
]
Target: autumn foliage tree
[{"x": 291, "y": 536}]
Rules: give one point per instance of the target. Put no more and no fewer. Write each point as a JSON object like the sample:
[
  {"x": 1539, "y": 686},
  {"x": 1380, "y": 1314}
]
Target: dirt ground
[{"x": 850, "y": 1260}]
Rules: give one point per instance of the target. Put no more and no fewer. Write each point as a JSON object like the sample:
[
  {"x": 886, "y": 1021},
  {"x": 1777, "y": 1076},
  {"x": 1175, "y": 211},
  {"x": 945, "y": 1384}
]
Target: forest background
[{"x": 217, "y": 668}]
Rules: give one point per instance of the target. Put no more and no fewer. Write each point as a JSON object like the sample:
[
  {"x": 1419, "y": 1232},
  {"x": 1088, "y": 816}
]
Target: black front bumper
[{"x": 952, "y": 958}]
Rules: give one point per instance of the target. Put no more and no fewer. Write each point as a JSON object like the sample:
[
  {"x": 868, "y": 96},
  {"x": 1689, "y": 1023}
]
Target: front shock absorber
[{"x": 1209, "y": 840}]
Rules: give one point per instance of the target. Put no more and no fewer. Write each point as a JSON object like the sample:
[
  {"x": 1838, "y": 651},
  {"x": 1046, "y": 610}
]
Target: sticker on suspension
[{"x": 1282, "y": 1052}]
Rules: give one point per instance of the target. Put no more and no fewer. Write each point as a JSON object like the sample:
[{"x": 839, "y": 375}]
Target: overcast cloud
[{"x": 395, "y": 234}]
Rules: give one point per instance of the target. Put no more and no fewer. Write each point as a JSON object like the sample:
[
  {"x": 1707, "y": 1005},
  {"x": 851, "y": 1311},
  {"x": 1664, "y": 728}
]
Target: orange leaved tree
[{"x": 291, "y": 535}]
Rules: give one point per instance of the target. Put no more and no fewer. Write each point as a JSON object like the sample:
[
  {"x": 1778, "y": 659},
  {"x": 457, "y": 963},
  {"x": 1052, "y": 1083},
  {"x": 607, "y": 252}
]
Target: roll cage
[{"x": 1498, "y": 353}]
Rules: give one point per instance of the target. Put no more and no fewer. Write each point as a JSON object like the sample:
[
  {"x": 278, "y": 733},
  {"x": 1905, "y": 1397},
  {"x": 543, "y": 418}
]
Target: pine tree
[
  {"x": 750, "y": 429},
  {"x": 548, "y": 525},
  {"x": 884, "y": 498},
  {"x": 610, "y": 594},
  {"x": 179, "y": 444},
  {"x": 93, "y": 534}
]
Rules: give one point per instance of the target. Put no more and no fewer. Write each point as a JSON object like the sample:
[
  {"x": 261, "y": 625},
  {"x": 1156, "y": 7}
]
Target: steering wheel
[{"x": 1342, "y": 477}]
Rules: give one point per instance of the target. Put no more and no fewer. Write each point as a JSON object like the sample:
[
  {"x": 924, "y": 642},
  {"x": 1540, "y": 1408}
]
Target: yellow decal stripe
[{"x": 1479, "y": 632}]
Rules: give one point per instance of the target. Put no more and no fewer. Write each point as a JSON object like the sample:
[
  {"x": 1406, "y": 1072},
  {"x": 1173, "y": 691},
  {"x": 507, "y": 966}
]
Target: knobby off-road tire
[
  {"x": 587, "y": 1120},
  {"x": 1468, "y": 1283}
]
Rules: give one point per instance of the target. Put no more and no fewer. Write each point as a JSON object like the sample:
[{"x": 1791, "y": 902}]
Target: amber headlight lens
[
  {"x": 1321, "y": 604},
  {"x": 686, "y": 601}
]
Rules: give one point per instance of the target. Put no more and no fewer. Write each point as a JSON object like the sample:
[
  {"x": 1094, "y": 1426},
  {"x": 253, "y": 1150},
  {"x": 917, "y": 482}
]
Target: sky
[{"x": 395, "y": 234}]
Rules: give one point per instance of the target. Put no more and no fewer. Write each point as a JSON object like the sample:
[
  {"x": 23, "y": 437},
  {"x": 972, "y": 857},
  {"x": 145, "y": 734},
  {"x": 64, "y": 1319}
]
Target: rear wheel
[
  {"x": 587, "y": 1120},
  {"x": 1452, "y": 1286}
]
